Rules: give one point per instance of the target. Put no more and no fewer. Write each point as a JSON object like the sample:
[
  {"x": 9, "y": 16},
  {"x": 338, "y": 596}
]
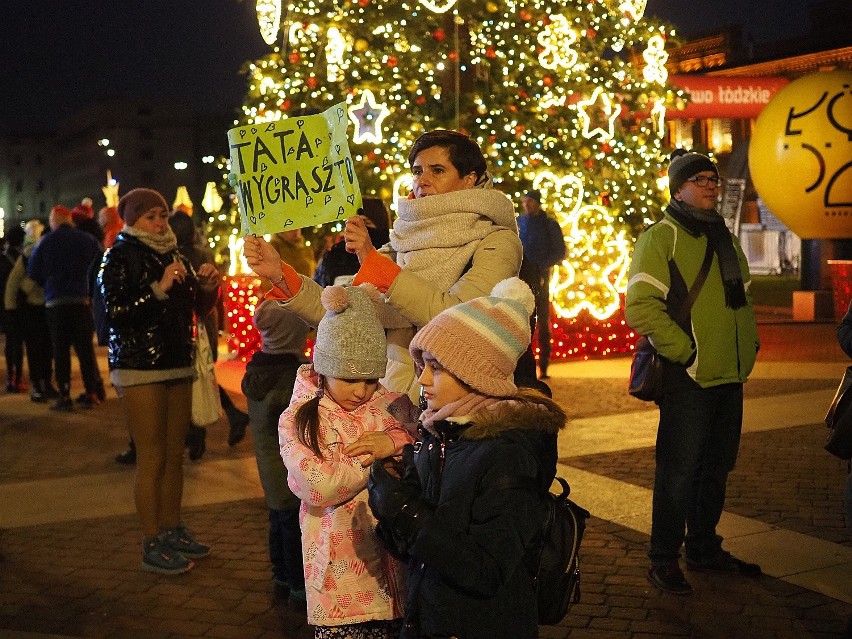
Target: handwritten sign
[{"x": 294, "y": 172}]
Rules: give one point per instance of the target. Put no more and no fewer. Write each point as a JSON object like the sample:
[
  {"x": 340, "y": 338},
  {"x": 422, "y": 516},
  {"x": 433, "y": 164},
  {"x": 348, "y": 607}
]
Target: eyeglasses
[{"x": 703, "y": 180}]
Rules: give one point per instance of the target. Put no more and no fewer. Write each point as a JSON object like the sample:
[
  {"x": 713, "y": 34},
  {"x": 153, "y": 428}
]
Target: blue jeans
[{"x": 697, "y": 444}]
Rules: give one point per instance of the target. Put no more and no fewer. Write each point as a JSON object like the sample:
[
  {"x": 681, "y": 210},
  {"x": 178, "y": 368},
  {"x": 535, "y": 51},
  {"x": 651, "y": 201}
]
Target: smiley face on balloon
[{"x": 800, "y": 155}]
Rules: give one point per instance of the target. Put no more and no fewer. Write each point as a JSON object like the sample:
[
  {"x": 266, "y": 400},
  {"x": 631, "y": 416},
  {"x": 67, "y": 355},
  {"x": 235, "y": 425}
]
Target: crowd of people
[{"x": 396, "y": 464}]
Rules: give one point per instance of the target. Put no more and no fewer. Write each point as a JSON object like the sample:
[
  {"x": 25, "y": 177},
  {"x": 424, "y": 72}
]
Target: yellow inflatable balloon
[{"x": 800, "y": 155}]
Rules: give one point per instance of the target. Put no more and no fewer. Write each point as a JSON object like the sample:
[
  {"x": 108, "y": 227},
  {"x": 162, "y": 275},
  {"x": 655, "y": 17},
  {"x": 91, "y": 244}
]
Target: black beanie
[{"x": 683, "y": 165}]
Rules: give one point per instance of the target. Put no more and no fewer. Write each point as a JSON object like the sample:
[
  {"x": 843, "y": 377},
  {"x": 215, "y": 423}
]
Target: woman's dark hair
[
  {"x": 465, "y": 154},
  {"x": 183, "y": 227},
  {"x": 308, "y": 422}
]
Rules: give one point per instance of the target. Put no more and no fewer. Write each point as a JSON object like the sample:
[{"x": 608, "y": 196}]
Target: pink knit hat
[{"x": 480, "y": 341}]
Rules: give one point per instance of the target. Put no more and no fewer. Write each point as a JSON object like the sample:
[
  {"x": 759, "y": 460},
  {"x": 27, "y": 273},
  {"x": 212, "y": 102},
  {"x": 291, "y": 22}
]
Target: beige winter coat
[{"x": 496, "y": 257}]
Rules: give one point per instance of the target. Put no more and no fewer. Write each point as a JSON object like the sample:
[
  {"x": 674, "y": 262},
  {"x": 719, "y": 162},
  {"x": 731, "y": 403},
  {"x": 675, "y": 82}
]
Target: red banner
[{"x": 724, "y": 97}]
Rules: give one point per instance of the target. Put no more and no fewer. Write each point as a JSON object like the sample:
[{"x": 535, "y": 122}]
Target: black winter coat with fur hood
[{"x": 467, "y": 575}]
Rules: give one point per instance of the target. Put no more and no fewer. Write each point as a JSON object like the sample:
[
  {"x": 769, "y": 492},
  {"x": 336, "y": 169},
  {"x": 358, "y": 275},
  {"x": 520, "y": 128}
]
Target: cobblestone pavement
[{"x": 79, "y": 577}]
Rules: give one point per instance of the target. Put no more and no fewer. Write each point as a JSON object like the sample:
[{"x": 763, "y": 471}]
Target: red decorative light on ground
[{"x": 584, "y": 337}]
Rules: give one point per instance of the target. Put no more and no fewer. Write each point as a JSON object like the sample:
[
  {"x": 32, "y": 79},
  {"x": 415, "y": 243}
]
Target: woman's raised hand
[
  {"x": 262, "y": 257},
  {"x": 357, "y": 238}
]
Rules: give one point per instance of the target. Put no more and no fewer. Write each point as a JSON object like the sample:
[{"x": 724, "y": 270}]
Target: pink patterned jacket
[{"x": 349, "y": 577}]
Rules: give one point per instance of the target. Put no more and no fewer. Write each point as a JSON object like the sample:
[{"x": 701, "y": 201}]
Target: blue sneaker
[
  {"x": 181, "y": 540},
  {"x": 159, "y": 557}
]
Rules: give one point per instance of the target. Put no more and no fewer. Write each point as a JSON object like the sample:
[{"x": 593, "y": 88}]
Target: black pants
[
  {"x": 73, "y": 325},
  {"x": 36, "y": 336}
]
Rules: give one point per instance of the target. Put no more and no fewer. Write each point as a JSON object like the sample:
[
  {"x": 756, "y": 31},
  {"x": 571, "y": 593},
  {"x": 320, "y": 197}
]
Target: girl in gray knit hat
[{"x": 339, "y": 421}]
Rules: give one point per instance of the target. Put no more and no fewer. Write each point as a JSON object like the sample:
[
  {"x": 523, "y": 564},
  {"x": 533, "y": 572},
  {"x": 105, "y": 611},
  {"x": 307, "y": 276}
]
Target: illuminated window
[
  {"x": 681, "y": 134},
  {"x": 719, "y": 135}
]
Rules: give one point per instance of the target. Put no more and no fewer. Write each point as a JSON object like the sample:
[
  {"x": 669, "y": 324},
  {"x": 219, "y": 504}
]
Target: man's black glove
[{"x": 397, "y": 502}]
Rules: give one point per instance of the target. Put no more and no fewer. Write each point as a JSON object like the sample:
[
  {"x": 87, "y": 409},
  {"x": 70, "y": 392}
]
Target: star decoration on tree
[
  {"x": 367, "y": 117},
  {"x": 606, "y": 109}
]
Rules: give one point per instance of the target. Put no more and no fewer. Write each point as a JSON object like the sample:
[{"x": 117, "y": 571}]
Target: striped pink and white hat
[{"x": 480, "y": 341}]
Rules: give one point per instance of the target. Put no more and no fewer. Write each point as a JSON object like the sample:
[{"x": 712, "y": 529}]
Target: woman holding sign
[{"x": 453, "y": 240}]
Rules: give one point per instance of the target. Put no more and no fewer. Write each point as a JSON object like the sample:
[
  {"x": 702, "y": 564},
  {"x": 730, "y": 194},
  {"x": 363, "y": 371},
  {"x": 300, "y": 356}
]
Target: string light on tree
[
  {"x": 655, "y": 57},
  {"x": 593, "y": 274},
  {"x": 556, "y": 40},
  {"x": 335, "y": 50},
  {"x": 269, "y": 19},
  {"x": 534, "y": 83},
  {"x": 658, "y": 117},
  {"x": 633, "y": 9},
  {"x": 438, "y": 7}
]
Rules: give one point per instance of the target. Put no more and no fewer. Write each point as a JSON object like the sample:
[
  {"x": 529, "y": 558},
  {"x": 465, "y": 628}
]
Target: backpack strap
[{"x": 696, "y": 285}]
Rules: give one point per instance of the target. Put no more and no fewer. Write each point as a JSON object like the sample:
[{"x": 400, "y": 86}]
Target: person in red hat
[{"x": 60, "y": 264}]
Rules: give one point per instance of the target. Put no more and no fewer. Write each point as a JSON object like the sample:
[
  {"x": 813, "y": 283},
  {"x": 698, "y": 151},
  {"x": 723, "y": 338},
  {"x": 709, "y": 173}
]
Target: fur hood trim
[{"x": 527, "y": 410}]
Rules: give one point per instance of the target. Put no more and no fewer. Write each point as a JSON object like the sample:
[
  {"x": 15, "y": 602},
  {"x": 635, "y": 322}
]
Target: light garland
[
  {"x": 269, "y": 19},
  {"x": 556, "y": 40},
  {"x": 594, "y": 270},
  {"x": 334, "y": 54},
  {"x": 539, "y": 82},
  {"x": 655, "y": 56},
  {"x": 438, "y": 8}
]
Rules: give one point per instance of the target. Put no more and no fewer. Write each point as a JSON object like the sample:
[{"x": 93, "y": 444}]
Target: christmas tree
[{"x": 564, "y": 96}]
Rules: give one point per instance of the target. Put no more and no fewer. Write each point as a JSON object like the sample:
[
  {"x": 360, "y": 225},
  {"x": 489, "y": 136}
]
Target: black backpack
[
  {"x": 558, "y": 576},
  {"x": 554, "y": 555}
]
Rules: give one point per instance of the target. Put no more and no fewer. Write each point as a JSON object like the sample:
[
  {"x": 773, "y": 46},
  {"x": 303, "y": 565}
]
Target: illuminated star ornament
[
  {"x": 607, "y": 110},
  {"x": 367, "y": 117}
]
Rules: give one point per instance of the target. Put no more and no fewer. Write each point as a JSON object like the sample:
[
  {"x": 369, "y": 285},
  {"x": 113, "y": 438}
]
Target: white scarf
[
  {"x": 162, "y": 243},
  {"x": 435, "y": 237}
]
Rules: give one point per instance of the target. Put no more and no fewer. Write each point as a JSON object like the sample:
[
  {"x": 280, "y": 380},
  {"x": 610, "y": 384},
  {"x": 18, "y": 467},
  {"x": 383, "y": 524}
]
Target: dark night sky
[{"x": 58, "y": 55}]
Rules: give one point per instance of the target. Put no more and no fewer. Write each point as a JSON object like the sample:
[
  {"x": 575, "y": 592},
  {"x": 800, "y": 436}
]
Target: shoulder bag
[
  {"x": 206, "y": 405},
  {"x": 839, "y": 419},
  {"x": 646, "y": 370}
]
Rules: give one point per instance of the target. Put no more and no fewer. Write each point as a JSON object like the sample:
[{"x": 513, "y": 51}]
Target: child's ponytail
[{"x": 307, "y": 422}]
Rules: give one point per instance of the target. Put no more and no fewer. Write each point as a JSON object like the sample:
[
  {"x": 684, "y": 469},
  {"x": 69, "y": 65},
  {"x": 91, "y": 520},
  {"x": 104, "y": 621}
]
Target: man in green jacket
[{"x": 707, "y": 358}]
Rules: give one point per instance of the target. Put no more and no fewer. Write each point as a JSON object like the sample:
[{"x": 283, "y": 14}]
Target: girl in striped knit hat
[{"x": 456, "y": 508}]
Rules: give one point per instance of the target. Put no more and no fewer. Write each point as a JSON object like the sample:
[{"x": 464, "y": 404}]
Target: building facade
[{"x": 155, "y": 145}]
